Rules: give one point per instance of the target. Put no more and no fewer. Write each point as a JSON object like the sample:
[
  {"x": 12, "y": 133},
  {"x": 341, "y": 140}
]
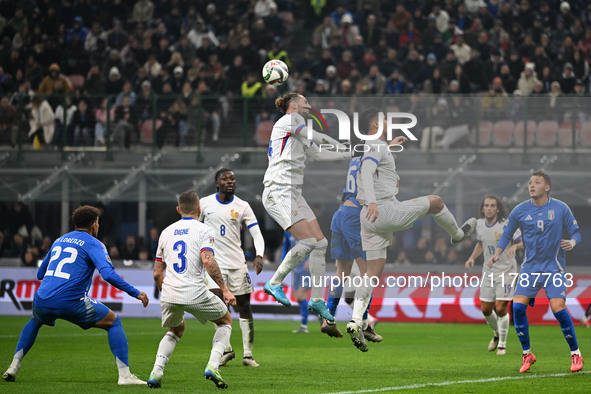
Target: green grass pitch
[{"x": 427, "y": 357}]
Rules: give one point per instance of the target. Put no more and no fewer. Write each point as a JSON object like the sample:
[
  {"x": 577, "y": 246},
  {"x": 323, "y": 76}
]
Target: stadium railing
[{"x": 478, "y": 122}]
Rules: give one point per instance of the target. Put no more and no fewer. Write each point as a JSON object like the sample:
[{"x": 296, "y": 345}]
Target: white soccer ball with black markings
[{"x": 275, "y": 72}]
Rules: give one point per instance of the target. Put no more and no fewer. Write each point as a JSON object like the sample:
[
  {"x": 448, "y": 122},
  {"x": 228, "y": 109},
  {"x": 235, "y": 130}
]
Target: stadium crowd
[
  {"x": 59, "y": 59},
  {"x": 88, "y": 72}
]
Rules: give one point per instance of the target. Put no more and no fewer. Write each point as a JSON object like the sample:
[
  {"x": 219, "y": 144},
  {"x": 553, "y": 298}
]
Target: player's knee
[
  {"x": 486, "y": 309},
  {"x": 116, "y": 322},
  {"x": 321, "y": 245},
  {"x": 519, "y": 310},
  {"x": 436, "y": 204}
]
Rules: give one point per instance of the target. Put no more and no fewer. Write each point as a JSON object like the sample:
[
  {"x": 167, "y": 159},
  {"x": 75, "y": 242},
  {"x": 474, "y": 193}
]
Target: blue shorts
[
  {"x": 298, "y": 275},
  {"x": 85, "y": 313},
  {"x": 345, "y": 243},
  {"x": 529, "y": 285}
]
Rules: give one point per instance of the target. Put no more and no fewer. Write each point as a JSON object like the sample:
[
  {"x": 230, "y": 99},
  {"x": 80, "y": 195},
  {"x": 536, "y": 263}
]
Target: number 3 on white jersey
[
  {"x": 67, "y": 260},
  {"x": 541, "y": 225}
]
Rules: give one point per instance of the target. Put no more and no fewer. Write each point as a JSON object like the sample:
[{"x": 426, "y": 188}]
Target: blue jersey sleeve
[
  {"x": 571, "y": 225},
  {"x": 101, "y": 260},
  {"x": 510, "y": 228},
  {"x": 43, "y": 267}
]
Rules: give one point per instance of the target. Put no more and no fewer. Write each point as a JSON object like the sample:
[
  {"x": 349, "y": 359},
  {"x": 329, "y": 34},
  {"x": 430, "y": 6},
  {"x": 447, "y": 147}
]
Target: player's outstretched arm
[
  {"x": 324, "y": 153},
  {"x": 475, "y": 253},
  {"x": 214, "y": 272}
]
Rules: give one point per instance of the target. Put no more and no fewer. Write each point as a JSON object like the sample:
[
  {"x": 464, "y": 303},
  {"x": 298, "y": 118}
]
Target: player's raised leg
[
  {"x": 446, "y": 221},
  {"x": 25, "y": 342}
]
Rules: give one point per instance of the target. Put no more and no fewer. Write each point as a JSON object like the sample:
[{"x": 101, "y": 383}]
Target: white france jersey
[
  {"x": 385, "y": 179},
  {"x": 180, "y": 247},
  {"x": 225, "y": 219},
  {"x": 287, "y": 151},
  {"x": 489, "y": 237}
]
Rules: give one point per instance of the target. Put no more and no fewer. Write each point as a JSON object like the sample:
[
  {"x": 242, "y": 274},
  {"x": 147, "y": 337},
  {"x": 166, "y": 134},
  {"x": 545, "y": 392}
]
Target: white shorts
[
  {"x": 393, "y": 216},
  {"x": 501, "y": 289},
  {"x": 208, "y": 307},
  {"x": 237, "y": 280},
  {"x": 286, "y": 205}
]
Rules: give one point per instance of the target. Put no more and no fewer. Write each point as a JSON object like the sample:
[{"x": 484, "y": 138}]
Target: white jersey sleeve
[
  {"x": 384, "y": 179},
  {"x": 179, "y": 247}
]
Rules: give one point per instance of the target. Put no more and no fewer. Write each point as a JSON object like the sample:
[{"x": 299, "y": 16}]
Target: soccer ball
[{"x": 275, "y": 72}]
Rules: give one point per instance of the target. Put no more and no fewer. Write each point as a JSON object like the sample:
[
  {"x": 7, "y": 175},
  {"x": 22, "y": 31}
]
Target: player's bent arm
[
  {"x": 214, "y": 272},
  {"x": 159, "y": 269},
  {"x": 213, "y": 269}
]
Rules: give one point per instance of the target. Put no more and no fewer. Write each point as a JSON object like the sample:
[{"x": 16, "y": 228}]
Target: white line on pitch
[{"x": 452, "y": 382}]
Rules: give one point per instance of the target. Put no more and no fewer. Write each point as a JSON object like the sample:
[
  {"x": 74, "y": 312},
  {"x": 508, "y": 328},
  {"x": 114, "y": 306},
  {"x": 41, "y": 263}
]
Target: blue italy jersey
[
  {"x": 542, "y": 230},
  {"x": 68, "y": 267},
  {"x": 350, "y": 191}
]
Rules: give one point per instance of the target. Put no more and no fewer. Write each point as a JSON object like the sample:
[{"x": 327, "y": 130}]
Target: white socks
[
  {"x": 503, "y": 324},
  {"x": 247, "y": 327},
  {"x": 292, "y": 259},
  {"x": 446, "y": 221},
  {"x": 362, "y": 297},
  {"x": 318, "y": 269},
  {"x": 221, "y": 338},
  {"x": 491, "y": 320},
  {"x": 165, "y": 349}
]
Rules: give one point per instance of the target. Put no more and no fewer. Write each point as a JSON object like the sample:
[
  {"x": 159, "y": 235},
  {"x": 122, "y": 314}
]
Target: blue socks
[
  {"x": 521, "y": 324},
  {"x": 27, "y": 338},
  {"x": 118, "y": 343},
  {"x": 334, "y": 296},
  {"x": 367, "y": 310},
  {"x": 304, "y": 311},
  {"x": 568, "y": 329}
]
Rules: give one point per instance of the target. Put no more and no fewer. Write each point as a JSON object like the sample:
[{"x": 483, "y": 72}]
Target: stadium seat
[
  {"x": 77, "y": 81},
  {"x": 146, "y": 131},
  {"x": 485, "y": 130},
  {"x": 263, "y": 133},
  {"x": 519, "y": 132},
  {"x": 546, "y": 133},
  {"x": 502, "y": 134},
  {"x": 586, "y": 135},
  {"x": 565, "y": 134}
]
